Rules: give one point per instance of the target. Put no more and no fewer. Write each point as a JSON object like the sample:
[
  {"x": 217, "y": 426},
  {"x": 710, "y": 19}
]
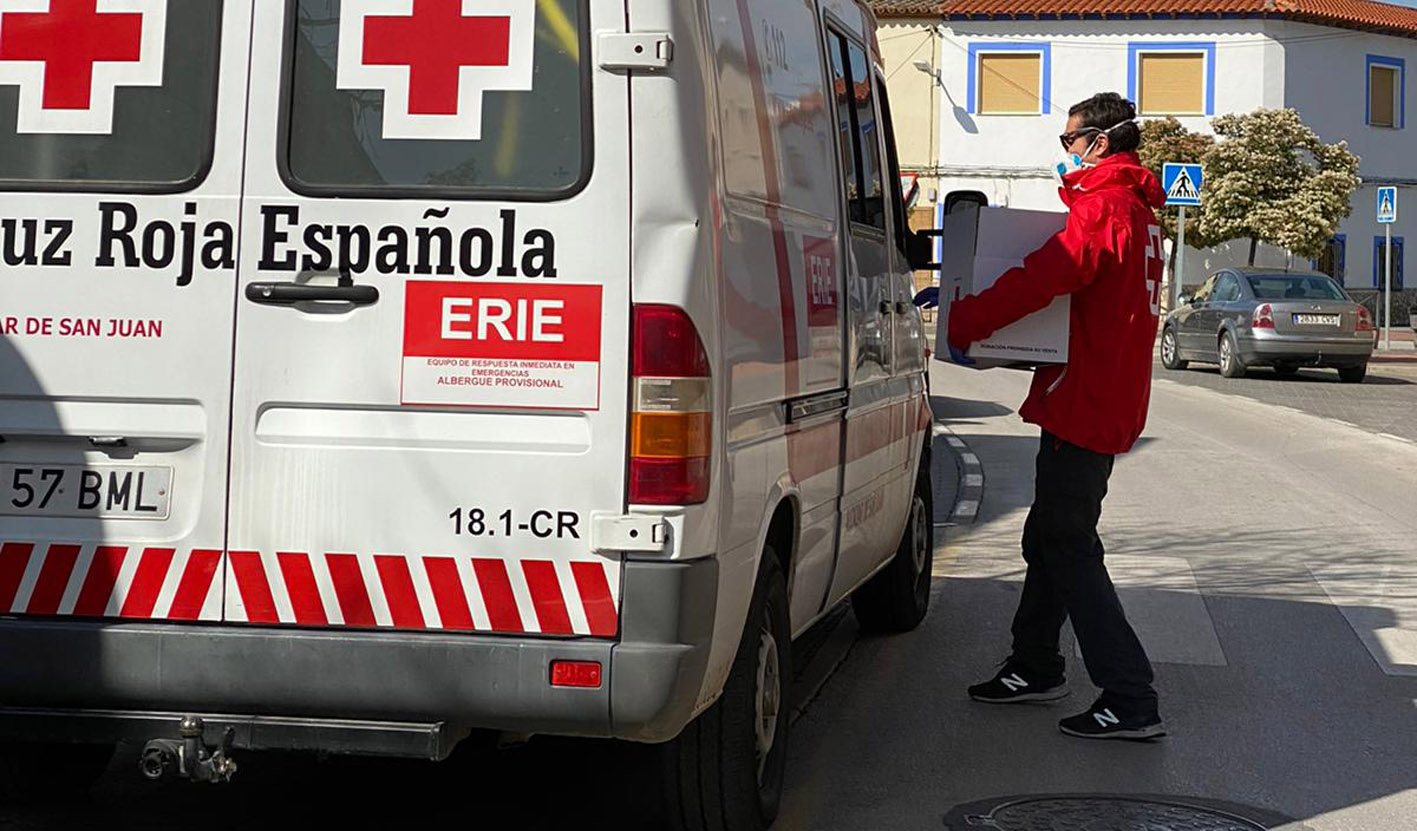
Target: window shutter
[
  {"x": 1172, "y": 84},
  {"x": 1009, "y": 84},
  {"x": 1382, "y": 96}
]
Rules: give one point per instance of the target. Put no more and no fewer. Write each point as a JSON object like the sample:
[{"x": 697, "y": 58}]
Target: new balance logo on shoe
[
  {"x": 1013, "y": 682},
  {"x": 1106, "y": 719}
]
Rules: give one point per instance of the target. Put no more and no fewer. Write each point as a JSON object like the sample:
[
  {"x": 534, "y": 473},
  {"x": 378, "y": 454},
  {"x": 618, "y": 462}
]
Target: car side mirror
[{"x": 920, "y": 250}]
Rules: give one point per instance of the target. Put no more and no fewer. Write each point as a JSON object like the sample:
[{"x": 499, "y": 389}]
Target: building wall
[
  {"x": 1010, "y": 157},
  {"x": 1320, "y": 71},
  {"x": 915, "y": 108},
  {"x": 1326, "y": 80}
]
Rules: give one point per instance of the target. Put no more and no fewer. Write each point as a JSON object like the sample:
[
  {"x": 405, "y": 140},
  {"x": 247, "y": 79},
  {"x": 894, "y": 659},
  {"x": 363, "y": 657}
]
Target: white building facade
[{"x": 1005, "y": 82}]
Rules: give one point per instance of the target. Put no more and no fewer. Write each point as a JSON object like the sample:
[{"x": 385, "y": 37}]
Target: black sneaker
[
  {"x": 1015, "y": 685},
  {"x": 1102, "y": 721}
]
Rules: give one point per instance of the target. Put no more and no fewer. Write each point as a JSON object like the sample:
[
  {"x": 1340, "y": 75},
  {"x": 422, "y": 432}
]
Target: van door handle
[{"x": 288, "y": 294}]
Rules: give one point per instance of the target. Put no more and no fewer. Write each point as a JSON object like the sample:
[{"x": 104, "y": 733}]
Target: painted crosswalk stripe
[
  {"x": 1380, "y": 606},
  {"x": 1164, "y": 605}
]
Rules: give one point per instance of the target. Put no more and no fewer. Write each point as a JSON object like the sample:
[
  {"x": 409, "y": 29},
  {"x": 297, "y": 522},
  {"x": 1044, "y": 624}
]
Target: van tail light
[
  {"x": 1365, "y": 321},
  {"x": 671, "y": 424},
  {"x": 1263, "y": 317}
]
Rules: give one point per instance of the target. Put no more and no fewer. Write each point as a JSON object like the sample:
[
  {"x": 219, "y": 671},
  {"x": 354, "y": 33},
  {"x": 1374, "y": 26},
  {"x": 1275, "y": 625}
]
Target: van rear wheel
[
  {"x": 725, "y": 771},
  {"x": 32, "y": 772},
  {"x": 897, "y": 598}
]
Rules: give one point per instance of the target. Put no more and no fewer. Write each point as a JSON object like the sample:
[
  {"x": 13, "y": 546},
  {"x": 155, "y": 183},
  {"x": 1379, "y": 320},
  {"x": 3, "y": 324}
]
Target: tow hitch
[{"x": 188, "y": 757}]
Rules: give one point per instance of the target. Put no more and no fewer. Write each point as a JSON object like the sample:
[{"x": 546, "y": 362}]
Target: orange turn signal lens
[{"x": 670, "y": 435}]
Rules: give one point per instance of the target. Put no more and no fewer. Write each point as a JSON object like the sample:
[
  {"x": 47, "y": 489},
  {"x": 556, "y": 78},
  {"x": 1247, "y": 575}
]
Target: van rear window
[
  {"x": 403, "y": 100},
  {"x": 132, "y": 111}
]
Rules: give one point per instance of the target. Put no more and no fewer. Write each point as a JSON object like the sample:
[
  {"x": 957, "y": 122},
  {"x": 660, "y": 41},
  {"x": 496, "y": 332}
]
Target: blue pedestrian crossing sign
[
  {"x": 1387, "y": 205},
  {"x": 1183, "y": 183}
]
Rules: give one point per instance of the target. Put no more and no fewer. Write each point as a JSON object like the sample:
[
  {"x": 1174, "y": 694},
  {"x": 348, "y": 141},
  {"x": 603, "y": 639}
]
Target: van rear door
[
  {"x": 121, "y": 130},
  {"x": 432, "y": 337}
]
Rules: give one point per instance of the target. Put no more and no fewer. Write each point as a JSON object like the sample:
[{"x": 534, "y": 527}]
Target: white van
[{"x": 378, "y": 371}]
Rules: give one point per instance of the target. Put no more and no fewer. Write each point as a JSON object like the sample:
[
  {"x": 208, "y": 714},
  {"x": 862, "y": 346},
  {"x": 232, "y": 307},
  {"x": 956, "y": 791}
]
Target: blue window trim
[
  {"x": 1135, "y": 49},
  {"x": 1397, "y": 258},
  {"x": 1401, "y": 66},
  {"x": 1042, "y": 47},
  {"x": 1341, "y": 264}
]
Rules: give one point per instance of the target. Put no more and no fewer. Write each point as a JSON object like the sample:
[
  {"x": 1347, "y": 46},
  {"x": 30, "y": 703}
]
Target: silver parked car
[{"x": 1246, "y": 317}]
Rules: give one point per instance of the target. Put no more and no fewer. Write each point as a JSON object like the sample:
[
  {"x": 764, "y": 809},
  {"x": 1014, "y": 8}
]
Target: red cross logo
[
  {"x": 434, "y": 59},
  {"x": 69, "y": 56}
]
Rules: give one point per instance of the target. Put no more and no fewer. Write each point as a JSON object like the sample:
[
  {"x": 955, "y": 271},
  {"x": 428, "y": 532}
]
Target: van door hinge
[
  {"x": 629, "y": 533},
  {"x": 636, "y": 50}
]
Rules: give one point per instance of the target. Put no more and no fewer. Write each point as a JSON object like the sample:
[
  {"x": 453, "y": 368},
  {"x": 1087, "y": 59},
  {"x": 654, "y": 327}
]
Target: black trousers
[{"x": 1067, "y": 579}]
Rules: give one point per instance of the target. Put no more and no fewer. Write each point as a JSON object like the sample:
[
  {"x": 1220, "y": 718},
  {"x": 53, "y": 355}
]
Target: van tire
[
  {"x": 712, "y": 779},
  {"x": 897, "y": 598},
  {"x": 33, "y": 772}
]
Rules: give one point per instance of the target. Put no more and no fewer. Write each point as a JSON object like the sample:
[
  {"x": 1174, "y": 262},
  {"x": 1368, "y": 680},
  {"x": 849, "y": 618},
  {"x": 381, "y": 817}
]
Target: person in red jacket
[{"x": 1109, "y": 259}]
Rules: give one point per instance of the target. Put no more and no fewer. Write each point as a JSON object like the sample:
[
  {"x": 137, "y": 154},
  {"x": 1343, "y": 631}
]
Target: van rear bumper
[{"x": 653, "y": 674}]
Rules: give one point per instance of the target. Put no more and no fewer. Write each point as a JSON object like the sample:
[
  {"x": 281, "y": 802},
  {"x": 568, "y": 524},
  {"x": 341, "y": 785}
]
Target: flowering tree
[
  {"x": 1167, "y": 140},
  {"x": 1271, "y": 179}
]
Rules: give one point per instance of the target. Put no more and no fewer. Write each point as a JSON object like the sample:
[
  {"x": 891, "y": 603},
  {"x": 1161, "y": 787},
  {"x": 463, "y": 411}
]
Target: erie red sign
[{"x": 502, "y": 345}]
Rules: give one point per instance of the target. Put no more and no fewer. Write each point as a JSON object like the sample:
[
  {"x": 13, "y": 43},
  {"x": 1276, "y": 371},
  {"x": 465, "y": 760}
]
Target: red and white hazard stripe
[
  {"x": 112, "y": 581},
  {"x": 473, "y": 594},
  {"x": 531, "y": 596}
]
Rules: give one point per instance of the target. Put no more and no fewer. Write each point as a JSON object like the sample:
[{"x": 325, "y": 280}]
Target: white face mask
[{"x": 1068, "y": 163}]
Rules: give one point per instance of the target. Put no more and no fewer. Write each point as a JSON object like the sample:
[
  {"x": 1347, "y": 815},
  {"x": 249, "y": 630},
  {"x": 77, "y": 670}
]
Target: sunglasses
[{"x": 1068, "y": 138}]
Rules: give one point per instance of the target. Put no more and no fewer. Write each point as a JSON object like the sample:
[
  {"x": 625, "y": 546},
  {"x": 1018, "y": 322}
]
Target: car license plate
[
  {"x": 122, "y": 492},
  {"x": 1317, "y": 320}
]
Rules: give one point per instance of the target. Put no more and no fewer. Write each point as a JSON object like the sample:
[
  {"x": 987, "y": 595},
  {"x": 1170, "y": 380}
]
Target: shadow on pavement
[
  {"x": 1303, "y": 376},
  {"x": 1300, "y": 721}
]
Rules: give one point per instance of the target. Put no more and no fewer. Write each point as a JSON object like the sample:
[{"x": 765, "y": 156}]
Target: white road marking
[
  {"x": 970, "y": 459},
  {"x": 967, "y": 508},
  {"x": 955, "y": 442},
  {"x": 974, "y": 480},
  {"x": 1164, "y": 605},
  {"x": 1379, "y": 603}
]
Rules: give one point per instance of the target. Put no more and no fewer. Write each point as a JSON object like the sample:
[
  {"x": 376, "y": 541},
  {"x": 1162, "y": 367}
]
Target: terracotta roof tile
[{"x": 1349, "y": 14}]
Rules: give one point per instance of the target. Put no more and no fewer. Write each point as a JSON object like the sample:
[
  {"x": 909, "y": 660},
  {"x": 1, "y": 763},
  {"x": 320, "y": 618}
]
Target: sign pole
[
  {"x": 1387, "y": 287},
  {"x": 1179, "y": 276}
]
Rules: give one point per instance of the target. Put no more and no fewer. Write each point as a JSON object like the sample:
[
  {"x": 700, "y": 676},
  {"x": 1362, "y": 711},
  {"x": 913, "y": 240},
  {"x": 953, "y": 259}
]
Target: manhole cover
[{"x": 1096, "y": 813}]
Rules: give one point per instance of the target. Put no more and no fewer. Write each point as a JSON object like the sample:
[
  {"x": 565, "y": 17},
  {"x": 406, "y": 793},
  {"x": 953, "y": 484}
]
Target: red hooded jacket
[{"x": 1109, "y": 258}]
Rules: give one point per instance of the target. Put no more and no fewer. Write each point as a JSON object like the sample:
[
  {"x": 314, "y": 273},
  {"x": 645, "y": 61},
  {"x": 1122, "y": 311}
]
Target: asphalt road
[
  {"x": 1268, "y": 559},
  {"x": 1265, "y": 552},
  {"x": 1384, "y": 403}
]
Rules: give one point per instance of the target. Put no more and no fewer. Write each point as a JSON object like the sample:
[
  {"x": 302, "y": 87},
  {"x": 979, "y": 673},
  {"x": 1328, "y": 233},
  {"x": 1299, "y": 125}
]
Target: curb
[{"x": 968, "y": 476}]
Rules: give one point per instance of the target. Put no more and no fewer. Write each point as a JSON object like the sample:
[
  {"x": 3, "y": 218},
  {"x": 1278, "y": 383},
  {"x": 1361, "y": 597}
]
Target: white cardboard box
[{"x": 979, "y": 246}]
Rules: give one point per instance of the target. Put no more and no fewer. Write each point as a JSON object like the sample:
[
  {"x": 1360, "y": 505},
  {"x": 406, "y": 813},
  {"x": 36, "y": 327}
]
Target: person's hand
[
  {"x": 928, "y": 298},
  {"x": 957, "y": 356}
]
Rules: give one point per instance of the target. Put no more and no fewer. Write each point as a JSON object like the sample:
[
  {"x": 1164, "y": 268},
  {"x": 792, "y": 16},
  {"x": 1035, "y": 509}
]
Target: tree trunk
[{"x": 1254, "y": 247}]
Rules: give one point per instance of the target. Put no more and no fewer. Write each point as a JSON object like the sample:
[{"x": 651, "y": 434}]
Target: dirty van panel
[
  {"x": 118, "y": 243},
  {"x": 431, "y": 386}
]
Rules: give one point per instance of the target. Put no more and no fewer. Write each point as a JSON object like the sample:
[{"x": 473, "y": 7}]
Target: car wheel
[
  {"x": 725, "y": 771},
  {"x": 897, "y": 598},
  {"x": 1230, "y": 365},
  {"x": 1171, "y": 351},
  {"x": 34, "y": 772},
  {"x": 1353, "y": 374},
  {"x": 1286, "y": 370}
]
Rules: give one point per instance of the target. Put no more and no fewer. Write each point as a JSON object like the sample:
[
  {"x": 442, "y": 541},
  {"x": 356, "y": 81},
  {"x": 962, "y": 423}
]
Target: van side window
[
  {"x": 160, "y": 137},
  {"x": 897, "y": 196},
  {"x": 856, "y": 112},
  {"x": 347, "y": 135},
  {"x": 841, "y": 82}
]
